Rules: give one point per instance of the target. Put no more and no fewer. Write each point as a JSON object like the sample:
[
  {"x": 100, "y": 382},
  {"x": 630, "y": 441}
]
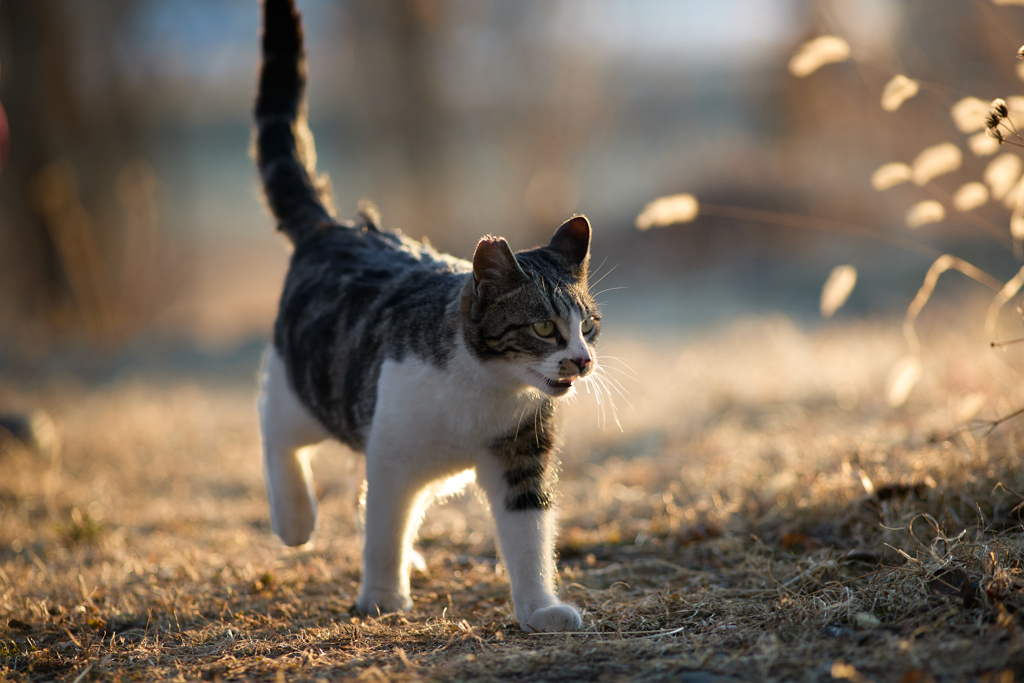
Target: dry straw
[
  {"x": 935, "y": 161},
  {"x": 897, "y": 91},
  {"x": 970, "y": 196},
  {"x": 890, "y": 175},
  {"x": 781, "y": 536},
  {"x": 902, "y": 379},
  {"x": 1017, "y": 217},
  {"x": 837, "y": 289},
  {"x": 665, "y": 211},
  {"x": 818, "y": 52},
  {"x": 1005, "y": 293},
  {"x": 940, "y": 266},
  {"x": 982, "y": 144},
  {"x": 969, "y": 114},
  {"x": 925, "y": 212},
  {"x": 1002, "y": 173}
]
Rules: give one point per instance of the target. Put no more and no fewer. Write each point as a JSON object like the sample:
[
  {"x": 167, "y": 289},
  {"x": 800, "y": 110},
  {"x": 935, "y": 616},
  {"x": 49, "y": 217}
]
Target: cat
[{"x": 428, "y": 364}]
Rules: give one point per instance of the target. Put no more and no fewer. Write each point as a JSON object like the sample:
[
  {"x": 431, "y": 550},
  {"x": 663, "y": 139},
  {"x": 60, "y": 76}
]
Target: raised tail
[{"x": 285, "y": 156}]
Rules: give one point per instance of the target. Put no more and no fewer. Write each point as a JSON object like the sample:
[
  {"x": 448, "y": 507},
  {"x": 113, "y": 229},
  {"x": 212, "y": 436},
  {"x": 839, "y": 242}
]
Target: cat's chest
[{"x": 446, "y": 408}]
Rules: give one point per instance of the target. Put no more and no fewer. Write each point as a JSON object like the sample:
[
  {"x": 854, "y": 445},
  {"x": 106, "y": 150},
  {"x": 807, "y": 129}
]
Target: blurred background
[{"x": 133, "y": 235}]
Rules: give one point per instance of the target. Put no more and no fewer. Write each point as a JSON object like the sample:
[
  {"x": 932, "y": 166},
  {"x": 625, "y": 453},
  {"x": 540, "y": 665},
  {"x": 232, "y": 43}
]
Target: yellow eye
[
  {"x": 545, "y": 328},
  {"x": 587, "y": 326}
]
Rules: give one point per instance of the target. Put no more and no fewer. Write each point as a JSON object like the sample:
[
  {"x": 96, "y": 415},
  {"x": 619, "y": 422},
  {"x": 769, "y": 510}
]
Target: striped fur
[
  {"x": 526, "y": 453},
  {"x": 285, "y": 155}
]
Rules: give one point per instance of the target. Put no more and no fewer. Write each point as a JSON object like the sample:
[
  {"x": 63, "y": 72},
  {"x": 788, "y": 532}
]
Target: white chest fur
[{"x": 450, "y": 413}]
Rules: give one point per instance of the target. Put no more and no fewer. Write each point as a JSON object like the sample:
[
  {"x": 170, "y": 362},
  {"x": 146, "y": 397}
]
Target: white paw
[
  {"x": 292, "y": 513},
  {"x": 295, "y": 529},
  {"x": 560, "y": 617},
  {"x": 374, "y": 602}
]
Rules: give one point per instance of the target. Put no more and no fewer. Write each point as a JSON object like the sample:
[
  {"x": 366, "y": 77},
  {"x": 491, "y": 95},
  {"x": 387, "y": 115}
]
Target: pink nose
[{"x": 581, "y": 363}]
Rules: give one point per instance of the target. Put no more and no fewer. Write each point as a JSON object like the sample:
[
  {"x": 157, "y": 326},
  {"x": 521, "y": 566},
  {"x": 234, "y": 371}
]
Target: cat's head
[{"x": 530, "y": 315}]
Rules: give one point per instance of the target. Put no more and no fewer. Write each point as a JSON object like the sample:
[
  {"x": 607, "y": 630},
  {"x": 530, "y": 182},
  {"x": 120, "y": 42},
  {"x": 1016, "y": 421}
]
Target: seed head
[
  {"x": 1000, "y": 108},
  {"x": 997, "y": 134},
  {"x": 992, "y": 120},
  {"x": 1020, "y": 52}
]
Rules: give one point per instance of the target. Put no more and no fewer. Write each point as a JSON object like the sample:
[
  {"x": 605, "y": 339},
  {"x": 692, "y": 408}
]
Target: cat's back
[{"x": 355, "y": 296}]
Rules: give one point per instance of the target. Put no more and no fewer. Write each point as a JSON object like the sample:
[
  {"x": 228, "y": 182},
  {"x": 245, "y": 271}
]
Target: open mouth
[{"x": 556, "y": 386}]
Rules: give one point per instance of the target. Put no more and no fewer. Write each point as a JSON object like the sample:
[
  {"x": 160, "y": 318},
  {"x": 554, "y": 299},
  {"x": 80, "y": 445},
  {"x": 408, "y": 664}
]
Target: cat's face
[{"x": 530, "y": 316}]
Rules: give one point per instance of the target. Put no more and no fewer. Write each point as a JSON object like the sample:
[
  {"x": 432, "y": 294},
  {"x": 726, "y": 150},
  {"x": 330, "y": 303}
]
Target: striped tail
[{"x": 300, "y": 199}]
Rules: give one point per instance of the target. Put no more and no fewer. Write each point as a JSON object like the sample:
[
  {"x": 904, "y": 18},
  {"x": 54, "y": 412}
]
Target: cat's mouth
[{"x": 555, "y": 387}]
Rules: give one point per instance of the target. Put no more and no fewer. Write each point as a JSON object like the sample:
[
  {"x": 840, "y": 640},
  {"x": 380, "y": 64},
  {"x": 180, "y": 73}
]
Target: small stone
[{"x": 865, "y": 621}]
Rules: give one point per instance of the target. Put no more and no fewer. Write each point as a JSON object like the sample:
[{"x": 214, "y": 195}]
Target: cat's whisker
[
  {"x": 625, "y": 368},
  {"x": 615, "y": 415},
  {"x": 632, "y": 377},
  {"x": 619, "y": 390},
  {"x": 622, "y": 360},
  {"x": 599, "y": 267},
  {"x": 536, "y": 428},
  {"x": 610, "y": 271},
  {"x": 601, "y": 419},
  {"x": 610, "y": 289},
  {"x": 607, "y": 368},
  {"x": 616, "y": 385},
  {"x": 611, "y": 402},
  {"x": 615, "y": 381},
  {"x": 519, "y": 420}
]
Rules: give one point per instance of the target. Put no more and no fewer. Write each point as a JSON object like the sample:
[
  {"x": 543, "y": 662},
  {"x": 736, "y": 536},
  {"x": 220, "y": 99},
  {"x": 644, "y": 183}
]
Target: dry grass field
[{"x": 762, "y": 514}]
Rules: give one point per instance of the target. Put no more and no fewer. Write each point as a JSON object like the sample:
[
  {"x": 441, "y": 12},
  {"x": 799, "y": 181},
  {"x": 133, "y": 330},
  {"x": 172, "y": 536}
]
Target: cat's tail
[{"x": 300, "y": 199}]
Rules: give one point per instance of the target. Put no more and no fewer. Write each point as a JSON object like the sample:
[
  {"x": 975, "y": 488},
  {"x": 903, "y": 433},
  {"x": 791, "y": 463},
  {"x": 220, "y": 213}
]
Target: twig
[
  {"x": 990, "y": 426},
  {"x": 995, "y": 423},
  {"x": 940, "y": 266},
  {"x": 80, "y": 676},
  {"x": 617, "y": 634},
  {"x": 1007, "y": 343},
  {"x": 819, "y": 224}
]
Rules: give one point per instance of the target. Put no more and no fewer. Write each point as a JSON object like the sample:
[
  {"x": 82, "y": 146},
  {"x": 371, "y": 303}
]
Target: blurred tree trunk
[
  {"x": 30, "y": 275},
  {"x": 395, "y": 59},
  {"x": 77, "y": 203}
]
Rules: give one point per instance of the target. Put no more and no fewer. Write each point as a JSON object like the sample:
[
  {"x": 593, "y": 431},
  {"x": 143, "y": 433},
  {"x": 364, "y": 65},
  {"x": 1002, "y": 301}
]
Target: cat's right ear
[
  {"x": 572, "y": 239},
  {"x": 495, "y": 266}
]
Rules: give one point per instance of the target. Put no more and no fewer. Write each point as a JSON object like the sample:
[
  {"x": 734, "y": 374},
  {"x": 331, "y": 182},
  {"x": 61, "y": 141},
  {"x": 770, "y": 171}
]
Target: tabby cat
[{"x": 428, "y": 364}]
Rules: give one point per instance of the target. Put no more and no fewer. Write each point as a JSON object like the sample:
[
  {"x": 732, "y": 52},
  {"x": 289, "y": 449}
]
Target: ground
[{"x": 762, "y": 514}]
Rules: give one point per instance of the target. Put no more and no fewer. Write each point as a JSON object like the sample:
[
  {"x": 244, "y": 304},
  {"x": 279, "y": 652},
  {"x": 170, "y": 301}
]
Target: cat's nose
[{"x": 582, "y": 363}]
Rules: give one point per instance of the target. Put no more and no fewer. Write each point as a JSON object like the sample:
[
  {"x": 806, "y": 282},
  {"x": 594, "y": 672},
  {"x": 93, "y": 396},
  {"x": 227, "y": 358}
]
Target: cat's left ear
[
  {"x": 495, "y": 266},
  {"x": 572, "y": 239}
]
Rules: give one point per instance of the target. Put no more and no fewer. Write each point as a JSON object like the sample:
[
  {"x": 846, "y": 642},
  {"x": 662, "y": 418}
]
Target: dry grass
[{"x": 763, "y": 515}]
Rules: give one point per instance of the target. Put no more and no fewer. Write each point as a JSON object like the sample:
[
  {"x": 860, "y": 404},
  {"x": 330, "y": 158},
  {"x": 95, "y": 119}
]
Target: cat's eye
[
  {"x": 544, "y": 328},
  {"x": 587, "y": 326}
]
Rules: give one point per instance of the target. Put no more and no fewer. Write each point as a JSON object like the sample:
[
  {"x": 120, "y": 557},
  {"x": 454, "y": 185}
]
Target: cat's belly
[{"x": 453, "y": 413}]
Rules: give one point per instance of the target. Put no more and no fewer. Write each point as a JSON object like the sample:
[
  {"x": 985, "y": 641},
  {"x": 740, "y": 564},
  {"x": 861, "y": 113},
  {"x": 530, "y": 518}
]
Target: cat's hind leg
[{"x": 289, "y": 433}]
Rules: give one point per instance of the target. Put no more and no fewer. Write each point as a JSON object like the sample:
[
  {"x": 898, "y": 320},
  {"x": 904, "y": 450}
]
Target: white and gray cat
[{"x": 430, "y": 365}]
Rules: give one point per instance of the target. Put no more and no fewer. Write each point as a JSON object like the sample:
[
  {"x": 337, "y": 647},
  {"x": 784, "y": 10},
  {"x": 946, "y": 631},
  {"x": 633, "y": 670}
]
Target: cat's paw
[
  {"x": 296, "y": 528},
  {"x": 560, "y": 617},
  {"x": 374, "y": 602}
]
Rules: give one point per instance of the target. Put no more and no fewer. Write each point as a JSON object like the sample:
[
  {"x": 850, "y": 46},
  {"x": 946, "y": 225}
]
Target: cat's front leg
[
  {"x": 395, "y": 499},
  {"x": 520, "y": 499}
]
